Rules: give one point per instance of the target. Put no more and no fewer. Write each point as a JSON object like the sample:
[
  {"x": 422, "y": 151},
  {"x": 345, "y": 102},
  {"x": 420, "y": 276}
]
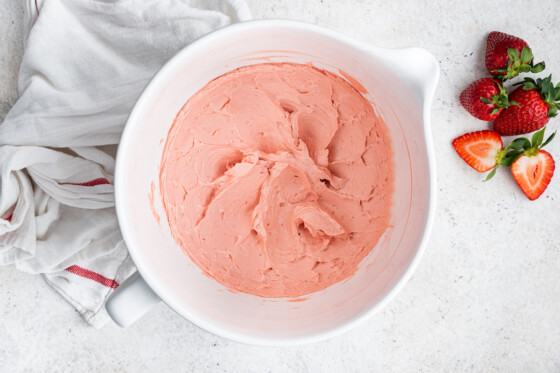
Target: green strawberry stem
[
  {"x": 519, "y": 147},
  {"x": 501, "y": 100},
  {"x": 519, "y": 63}
]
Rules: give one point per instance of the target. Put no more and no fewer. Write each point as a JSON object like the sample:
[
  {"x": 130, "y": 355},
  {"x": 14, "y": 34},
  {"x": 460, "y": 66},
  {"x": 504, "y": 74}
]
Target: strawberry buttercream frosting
[{"x": 277, "y": 179}]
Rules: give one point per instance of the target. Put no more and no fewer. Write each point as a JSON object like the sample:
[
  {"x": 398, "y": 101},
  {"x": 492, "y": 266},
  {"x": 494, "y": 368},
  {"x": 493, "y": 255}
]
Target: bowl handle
[
  {"x": 419, "y": 67},
  {"x": 131, "y": 301}
]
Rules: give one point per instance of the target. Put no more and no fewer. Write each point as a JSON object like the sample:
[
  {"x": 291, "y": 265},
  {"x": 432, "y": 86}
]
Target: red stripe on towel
[
  {"x": 94, "y": 182},
  {"x": 77, "y": 270}
]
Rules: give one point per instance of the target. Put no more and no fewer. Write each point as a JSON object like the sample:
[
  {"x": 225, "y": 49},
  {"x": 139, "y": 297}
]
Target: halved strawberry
[
  {"x": 532, "y": 167},
  {"x": 479, "y": 149},
  {"x": 533, "y": 173}
]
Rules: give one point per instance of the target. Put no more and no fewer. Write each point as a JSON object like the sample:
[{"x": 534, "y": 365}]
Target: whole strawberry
[
  {"x": 537, "y": 101},
  {"x": 485, "y": 99},
  {"x": 507, "y": 56}
]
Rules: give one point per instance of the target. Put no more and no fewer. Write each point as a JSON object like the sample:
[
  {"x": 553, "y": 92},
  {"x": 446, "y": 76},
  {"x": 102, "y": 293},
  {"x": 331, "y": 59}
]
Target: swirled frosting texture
[{"x": 277, "y": 179}]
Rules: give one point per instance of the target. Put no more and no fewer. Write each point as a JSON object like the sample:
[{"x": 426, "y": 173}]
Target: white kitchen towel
[{"x": 85, "y": 64}]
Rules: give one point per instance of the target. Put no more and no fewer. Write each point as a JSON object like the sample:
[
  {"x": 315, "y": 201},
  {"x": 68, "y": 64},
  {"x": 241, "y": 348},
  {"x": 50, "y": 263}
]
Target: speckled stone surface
[{"x": 485, "y": 298}]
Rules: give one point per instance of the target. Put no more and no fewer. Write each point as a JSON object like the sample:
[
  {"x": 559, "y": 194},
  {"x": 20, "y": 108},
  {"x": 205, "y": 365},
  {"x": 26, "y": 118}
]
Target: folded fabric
[{"x": 85, "y": 64}]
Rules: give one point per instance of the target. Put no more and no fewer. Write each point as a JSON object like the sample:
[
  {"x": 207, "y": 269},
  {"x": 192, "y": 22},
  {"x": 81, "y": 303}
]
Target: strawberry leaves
[
  {"x": 518, "y": 63},
  {"x": 537, "y": 138},
  {"x": 549, "y": 139},
  {"x": 492, "y": 173},
  {"x": 500, "y": 100}
]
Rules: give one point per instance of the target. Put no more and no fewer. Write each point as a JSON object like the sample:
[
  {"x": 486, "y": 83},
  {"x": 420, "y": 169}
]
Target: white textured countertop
[{"x": 485, "y": 297}]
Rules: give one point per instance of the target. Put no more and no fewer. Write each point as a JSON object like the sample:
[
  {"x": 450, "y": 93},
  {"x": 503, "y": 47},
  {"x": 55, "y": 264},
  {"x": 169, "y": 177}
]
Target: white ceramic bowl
[{"x": 400, "y": 82}]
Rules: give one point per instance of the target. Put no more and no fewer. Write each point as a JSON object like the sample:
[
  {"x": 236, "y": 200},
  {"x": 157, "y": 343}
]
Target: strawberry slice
[
  {"x": 533, "y": 173},
  {"x": 532, "y": 167},
  {"x": 479, "y": 149}
]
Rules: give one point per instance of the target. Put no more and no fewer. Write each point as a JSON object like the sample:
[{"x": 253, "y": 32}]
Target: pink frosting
[{"x": 277, "y": 179}]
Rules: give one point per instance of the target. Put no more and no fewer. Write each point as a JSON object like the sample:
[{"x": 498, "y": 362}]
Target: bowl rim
[{"x": 202, "y": 323}]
